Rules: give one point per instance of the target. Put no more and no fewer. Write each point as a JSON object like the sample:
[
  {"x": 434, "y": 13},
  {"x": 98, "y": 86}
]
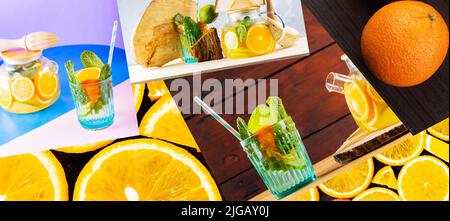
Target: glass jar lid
[{"x": 19, "y": 56}]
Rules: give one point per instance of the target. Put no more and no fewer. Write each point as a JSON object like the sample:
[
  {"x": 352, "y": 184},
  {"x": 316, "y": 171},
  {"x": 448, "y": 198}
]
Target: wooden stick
[{"x": 270, "y": 9}]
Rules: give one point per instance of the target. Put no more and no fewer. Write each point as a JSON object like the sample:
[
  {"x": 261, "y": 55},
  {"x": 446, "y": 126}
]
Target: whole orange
[{"x": 405, "y": 43}]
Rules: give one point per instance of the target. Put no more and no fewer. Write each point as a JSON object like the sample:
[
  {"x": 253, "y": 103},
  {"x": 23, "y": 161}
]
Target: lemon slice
[
  {"x": 145, "y": 170},
  {"x": 231, "y": 40},
  {"x": 85, "y": 148},
  {"x": 138, "y": 95},
  {"x": 424, "y": 178},
  {"x": 156, "y": 90},
  {"x": 311, "y": 195},
  {"x": 358, "y": 102},
  {"x": 351, "y": 182},
  {"x": 46, "y": 85},
  {"x": 6, "y": 99},
  {"x": 386, "y": 177},
  {"x": 377, "y": 194},
  {"x": 164, "y": 121},
  {"x": 32, "y": 177},
  {"x": 437, "y": 147},
  {"x": 404, "y": 152},
  {"x": 22, "y": 89},
  {"x": 440, "y": 130}
]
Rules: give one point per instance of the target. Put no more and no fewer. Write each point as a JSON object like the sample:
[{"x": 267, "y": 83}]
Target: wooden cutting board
[{"x": 419, "y": 107}]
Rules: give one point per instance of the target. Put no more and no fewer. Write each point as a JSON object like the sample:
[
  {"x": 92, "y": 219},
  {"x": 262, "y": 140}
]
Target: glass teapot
[
  {"x": 28, "y": 81},
  {"x": 368, "y": 109},
  {"x": 247, "y": 34}
]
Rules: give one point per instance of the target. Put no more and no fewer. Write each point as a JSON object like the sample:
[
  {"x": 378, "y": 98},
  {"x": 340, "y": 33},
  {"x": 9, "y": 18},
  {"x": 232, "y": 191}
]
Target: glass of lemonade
[
  {"x": 275, "y": 148},
  {"x": 92, "y": 92}
]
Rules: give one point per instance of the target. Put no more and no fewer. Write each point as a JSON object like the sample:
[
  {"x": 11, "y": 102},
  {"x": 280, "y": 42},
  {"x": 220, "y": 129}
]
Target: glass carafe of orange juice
[
  {"x": 28, "y": 81},
  {"x": 368, "y": 109},
  {"x": 247, "y": 34}
]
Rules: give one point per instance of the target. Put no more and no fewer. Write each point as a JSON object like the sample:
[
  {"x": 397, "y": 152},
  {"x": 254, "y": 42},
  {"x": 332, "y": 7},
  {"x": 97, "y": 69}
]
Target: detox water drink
[{"x": 275, "y": 148}]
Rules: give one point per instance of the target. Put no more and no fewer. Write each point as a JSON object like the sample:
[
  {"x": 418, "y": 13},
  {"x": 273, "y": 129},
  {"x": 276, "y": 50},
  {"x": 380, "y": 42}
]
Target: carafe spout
[{"x": 336, "y": 82}]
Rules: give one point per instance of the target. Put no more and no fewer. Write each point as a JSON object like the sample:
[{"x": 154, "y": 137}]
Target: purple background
[{"x": 73, "y": 21}]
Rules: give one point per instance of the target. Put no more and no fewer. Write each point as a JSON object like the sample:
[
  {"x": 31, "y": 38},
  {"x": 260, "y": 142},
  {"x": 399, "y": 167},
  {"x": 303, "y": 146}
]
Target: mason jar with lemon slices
[
  {"x": 247, "y": 34},
  {"x": 28, "y": 81},
  {"x": 370, "y": 111}
]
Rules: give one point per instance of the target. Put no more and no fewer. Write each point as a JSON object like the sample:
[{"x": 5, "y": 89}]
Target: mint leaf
[
  {"x": 91, "y": 60},
  {"x": 178, "y": 19},
  {"x": 78, "y": 92},
  {"x": 242, "y": 28},
  {"x": 105, "y": 73},
  {"x": 243, "y": 129}
]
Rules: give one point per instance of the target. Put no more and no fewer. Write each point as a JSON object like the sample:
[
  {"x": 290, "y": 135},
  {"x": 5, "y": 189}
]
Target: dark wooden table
[{"x": 322, "y": 118}]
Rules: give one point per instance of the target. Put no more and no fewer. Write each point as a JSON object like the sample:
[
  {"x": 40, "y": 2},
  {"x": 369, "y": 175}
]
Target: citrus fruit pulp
[
  {"x": 377, "y": 194},
  {"x": 310, "y": 195},
  {"x": 147, "y": 170},
  {"x": 440, "y": 130},
  {"x": 402, "y": 153},
  {"x": 164, "y": 121},
  {"x": 156, "y": 90},
  {"x": 260, "y": 40},
  {"x": 89, "y": 79},
  {"x": 437, "y": 147},
  {"x": 47, "y": 85},
  {"x": 358, "y": 101},
  {"x": 32, "y": 177},
  {"x": 351, "y": 182},
  {"x": 386, "y": 177},
  {"x": 22, "y": 89},
  {"x": 424, "y": 178},
  {"x": 138, "y": 95}
]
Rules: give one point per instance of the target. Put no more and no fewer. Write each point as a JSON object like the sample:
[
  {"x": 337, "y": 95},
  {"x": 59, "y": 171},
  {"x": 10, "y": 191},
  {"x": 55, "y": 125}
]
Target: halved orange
[
  {"x": 46, "y": 85},
  {"x": 85, "y": 148},
  {"x": 32, "y": 177},
  {"x": 145, "y": 170},
  {"x": 22, "y": 89},
  {"x": 260, "y": 39},
  {"x": 377, "y": 194}
]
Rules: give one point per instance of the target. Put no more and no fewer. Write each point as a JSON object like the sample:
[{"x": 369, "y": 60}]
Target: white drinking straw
[
  {"x": 113, "y": 42},
  {"x": 216, "y": 116}
]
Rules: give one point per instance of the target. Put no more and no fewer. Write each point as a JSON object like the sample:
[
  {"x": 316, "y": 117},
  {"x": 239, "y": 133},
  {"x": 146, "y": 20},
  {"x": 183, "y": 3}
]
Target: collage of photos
[{"x": 292, "y": 105}]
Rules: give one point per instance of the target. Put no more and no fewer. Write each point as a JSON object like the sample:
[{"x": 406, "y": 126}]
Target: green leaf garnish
[{"x": 91, "y": 60}]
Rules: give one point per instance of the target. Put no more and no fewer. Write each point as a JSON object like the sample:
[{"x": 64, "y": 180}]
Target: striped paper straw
[{"x": 113, "y": 42}]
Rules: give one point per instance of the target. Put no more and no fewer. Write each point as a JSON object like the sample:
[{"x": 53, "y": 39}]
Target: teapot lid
[{"x": 20, "y": 56}]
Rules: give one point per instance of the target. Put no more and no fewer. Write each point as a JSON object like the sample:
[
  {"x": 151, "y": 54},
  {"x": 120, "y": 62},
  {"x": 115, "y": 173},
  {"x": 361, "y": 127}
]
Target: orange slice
[
  {"x": 46, "y": 85},
  {"x": 138, "y": 95},
  {"x": 404, "y": 152},
  {"x": 6, "y": 99},
  {"x": 88, "y": 74},
  {"x": 145, "y": 170},
  {"x": 386, "y": 177},
  {"x": 89, "y": 78},
  {"x": 32, "y": 177},
  {"x": 22, "y": 89},
  {"x": 440, "y": 130},
  {"x": 157, "y": 89},
  {"x": 358, "y": 102},
  {"x": 437, "y": 147},
  {"x": 351, "y": 182},
  {"x": 164, "y": 121},
  {"x": 311, "y": 195},
  {"x": 260, "y": 40},
  {"x": 424, "y": 179},
  {"x": 377, "y": 194}
]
